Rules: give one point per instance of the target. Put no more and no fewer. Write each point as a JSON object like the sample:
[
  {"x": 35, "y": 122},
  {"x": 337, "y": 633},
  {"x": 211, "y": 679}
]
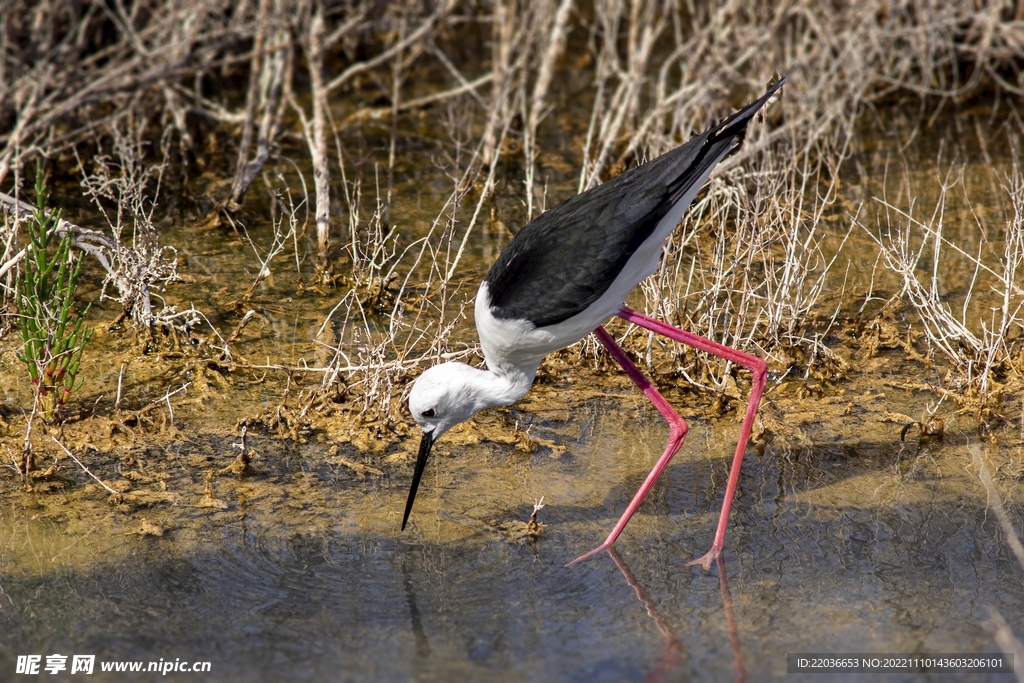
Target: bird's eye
[{"x": 429, "y": 412}]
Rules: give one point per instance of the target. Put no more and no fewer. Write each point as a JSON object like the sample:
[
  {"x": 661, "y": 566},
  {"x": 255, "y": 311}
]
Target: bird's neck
[{"x": 508, "y": 383}]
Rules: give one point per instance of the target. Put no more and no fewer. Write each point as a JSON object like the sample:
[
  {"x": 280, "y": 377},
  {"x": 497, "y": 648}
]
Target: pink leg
[
  {"x": 677, "y": 432},
  {"x": 758, "y": 369}
]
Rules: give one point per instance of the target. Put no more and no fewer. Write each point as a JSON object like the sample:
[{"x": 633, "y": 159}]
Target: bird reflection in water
[{"x": 672, "y": 650}]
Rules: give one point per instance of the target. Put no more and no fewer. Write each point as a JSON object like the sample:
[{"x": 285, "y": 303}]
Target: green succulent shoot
[{"x": 53, "y": 330}]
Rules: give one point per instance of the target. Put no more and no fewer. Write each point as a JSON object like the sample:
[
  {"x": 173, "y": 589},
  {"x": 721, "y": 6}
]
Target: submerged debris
[
  {"x": 533, "y": 526},
  {"x": 240, "y": 465},
  {"x": 148, "y": 528},
  {"x": 280, "y": 421},
  {"x": 932, "y": 428},
  {"x": 359, "y": 468},
  {"x": 143, "y": 498},
  {"x": 208, "y": 501},
  {"x": 517, "y": 530}
]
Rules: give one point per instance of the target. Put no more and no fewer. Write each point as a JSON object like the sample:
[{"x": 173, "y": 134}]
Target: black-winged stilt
[{"x": 567, "y": 273}]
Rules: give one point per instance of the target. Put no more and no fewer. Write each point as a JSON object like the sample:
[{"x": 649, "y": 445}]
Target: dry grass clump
[
  {"x": 349, "y": 89},
  {"x": 962, "y": 274}
]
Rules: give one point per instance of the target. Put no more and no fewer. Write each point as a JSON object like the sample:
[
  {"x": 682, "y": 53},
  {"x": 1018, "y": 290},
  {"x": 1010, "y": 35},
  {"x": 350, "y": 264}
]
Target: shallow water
[
  {"x": 844, "y": 540},
  {"x": 870, "y": 546}
]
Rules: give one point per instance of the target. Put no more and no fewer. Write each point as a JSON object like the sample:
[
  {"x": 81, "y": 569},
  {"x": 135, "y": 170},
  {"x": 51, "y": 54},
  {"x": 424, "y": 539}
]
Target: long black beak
[{"x": 421, "y": 463}]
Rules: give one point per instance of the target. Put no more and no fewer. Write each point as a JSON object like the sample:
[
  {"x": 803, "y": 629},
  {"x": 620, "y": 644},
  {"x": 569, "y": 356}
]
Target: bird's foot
[
  {"x": 707, "y": 559},
  {"x": 587, "y": 556}
]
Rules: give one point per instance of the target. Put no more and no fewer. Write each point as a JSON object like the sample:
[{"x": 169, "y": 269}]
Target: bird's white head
[
  {"x": 450, "y": 393},
  {"x": 444, "y": 396},
  {"x": 441, "y": 398}
]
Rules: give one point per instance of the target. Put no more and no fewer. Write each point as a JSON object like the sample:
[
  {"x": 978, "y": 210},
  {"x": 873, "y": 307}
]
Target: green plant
[{"x": 53, "y": 330}]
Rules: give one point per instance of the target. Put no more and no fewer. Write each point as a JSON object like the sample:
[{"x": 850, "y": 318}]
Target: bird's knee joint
[{"x": 758, "y": 369}]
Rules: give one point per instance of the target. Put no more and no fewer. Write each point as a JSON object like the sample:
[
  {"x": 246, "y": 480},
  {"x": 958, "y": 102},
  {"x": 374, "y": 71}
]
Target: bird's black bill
[{"x": 421, "y": 463}]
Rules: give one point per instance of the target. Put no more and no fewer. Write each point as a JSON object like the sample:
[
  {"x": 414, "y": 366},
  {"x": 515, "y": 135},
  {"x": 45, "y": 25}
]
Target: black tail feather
[{"x": 736, "y": 125}]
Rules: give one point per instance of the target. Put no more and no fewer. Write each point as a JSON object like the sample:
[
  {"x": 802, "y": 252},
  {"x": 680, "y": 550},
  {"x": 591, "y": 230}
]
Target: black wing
[{"x": 567, "y": 257}]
